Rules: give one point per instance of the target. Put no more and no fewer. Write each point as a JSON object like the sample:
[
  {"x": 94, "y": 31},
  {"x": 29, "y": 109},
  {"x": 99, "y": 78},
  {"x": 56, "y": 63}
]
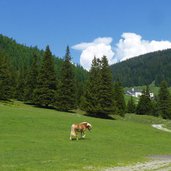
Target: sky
[{"x": 118, "y": 29}]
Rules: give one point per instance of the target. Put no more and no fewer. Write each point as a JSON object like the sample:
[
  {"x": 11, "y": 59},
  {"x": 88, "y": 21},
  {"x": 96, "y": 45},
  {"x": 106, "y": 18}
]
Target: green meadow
[{"x": 36, "y": 139}]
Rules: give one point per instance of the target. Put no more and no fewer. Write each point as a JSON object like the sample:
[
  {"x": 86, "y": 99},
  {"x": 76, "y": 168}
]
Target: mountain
[
  {"x": 20, "y": 57},
  {"x": 144, "y": 69}
]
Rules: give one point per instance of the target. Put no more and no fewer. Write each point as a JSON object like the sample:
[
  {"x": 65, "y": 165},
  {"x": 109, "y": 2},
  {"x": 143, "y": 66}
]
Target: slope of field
[{"x": 38, "y": 139}]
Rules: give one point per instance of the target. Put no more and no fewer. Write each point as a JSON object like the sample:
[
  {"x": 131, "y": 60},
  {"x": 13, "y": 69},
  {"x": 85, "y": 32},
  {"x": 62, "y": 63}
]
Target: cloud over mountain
[
  {"x": 98, "y": 48},
  {"x": 130, "y": 45}
]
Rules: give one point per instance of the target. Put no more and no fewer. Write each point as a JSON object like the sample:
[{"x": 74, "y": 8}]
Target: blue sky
[{"x": 59, "y": 23}]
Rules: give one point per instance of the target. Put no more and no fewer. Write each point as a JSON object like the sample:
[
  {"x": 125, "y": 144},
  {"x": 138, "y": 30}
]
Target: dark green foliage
[
  {"x": 98, "y": 99},
  {"x": 119, "y": 98},
  {"x": 5, "y": 78},
  {"x": 81, "y": 76},
  {"x": 44, "y": 94},
  {"x": 21, "y": 58},
  {"x": 131, "y": 107},
  {"x": 145, "y": 69},
  {"x": 106, "y": 100},
  {"x": 20, "y": 84},
  {"x": 155, "y": 111},
  {"x": 31, "y": 79},
  {"x": 66, "y": 95},
  {"x": 90, "y": 101},
  {"x": 145, "y": 104},
  {"x": 164, "y": 101}
]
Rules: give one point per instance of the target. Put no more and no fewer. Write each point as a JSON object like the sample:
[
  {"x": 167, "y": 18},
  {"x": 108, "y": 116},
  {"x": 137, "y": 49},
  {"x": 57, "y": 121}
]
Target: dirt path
[
  {"x": 160, "y": 126},
  {"x": 157, "y": 163}
]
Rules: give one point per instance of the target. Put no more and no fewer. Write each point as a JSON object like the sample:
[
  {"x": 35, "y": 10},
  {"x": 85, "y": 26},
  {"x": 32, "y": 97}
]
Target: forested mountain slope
[
  {"x": 16, "y": 64},
  {"x": 20, "y": 57},
  {"x": 144, "y": 69}
]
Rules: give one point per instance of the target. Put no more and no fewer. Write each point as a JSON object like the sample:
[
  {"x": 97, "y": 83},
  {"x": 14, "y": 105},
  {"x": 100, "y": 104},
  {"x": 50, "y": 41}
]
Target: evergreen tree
[
  {"x": 44, "y": 94},
  {"x": 98, "y": 99},
  {"x": 66, "y": 94},
  {"x": 13, "y": 85},
  {"x": 145, "y": 104},
  {"x": 131, "y": 107},
  {"x": 141, "y": 107},
  {"x": 155, "y": 111},
  {"x": 20, "y": 58},
  {"x": 106, "y": 99},
  {"x": 81, "y": 78},
  {"x": 80, "y": 90},
  {"x": 90, "y": 101},
  {"x": 31, "y": 79},
  {"x": 119, "y": 98},
  {"x": 5, "y": 78},
  {"x": 20, "y": 85},
  {"x": 164, "y": 102}
]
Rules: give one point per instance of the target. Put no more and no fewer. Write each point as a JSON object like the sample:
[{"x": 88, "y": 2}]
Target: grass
[
  {"x": 128, "y": 97},
  {"x": 33, "y": 139}
]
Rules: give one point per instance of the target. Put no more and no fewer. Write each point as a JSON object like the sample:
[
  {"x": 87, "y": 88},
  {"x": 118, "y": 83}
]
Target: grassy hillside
[{"x": 38, "y": 139}]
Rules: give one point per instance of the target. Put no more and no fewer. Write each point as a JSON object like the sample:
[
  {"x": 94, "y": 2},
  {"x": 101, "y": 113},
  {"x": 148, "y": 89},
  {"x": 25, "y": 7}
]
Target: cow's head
[{"x": 89, "y": 126}]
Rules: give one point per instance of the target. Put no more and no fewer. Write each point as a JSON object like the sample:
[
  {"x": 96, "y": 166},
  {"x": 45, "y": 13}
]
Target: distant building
[
  {"x": 137, "y": 93},
  {"x": 134, "y": 93}
]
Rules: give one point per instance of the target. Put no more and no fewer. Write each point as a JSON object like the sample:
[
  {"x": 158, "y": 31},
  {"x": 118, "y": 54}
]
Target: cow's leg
[
  {"x": 82, "y": 134},
  {"x": 73, "y": 134},
  {"x": 77, "y": 137}
]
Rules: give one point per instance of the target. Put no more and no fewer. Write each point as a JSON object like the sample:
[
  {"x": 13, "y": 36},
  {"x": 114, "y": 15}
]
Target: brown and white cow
[{"x": 79, "y": 128}]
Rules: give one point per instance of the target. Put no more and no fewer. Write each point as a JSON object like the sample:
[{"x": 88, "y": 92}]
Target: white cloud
[
  {"x": 130, "y": 45},
  {"x": 99, "y": 47}
]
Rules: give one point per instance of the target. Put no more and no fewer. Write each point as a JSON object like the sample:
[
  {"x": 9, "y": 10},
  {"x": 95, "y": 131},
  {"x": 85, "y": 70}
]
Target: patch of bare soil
[
  {"x": 157, "y": 163},
  {"x": 160, "y": 126}
]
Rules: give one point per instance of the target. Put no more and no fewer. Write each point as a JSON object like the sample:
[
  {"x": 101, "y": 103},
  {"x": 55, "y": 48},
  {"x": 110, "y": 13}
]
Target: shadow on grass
[
  {"x": 49, "y": 107},
  {"x": 101, "y": 116},
  {"x": 80, "y": 139},
  {"x": 40, "y": 106},
  {"x": 6, "y": 100}
]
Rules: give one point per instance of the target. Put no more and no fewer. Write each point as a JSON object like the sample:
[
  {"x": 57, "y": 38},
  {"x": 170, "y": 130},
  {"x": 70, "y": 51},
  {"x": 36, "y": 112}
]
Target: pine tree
[
  {"x": 20, "y": 85},
  {"x": 119, "y": 98},
  {"x": 5, "y": 78},
  {"x": 98, "y": 98},
  {"x": 145, "y": 104},
  {"x": 90, "y": 101},
  {"x": 106, "y": 99},
  {"x": 66, "y": 94},
  {"x": 164, "y": 102},
  {"x": 44, "y": 94},
  {"x": 31, "y": 79},
  {"x": 131, "y": 107}
]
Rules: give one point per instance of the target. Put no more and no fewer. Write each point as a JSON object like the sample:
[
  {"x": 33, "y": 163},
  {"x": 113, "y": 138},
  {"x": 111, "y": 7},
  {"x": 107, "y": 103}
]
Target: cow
[{"x": 79, "y": 128}]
